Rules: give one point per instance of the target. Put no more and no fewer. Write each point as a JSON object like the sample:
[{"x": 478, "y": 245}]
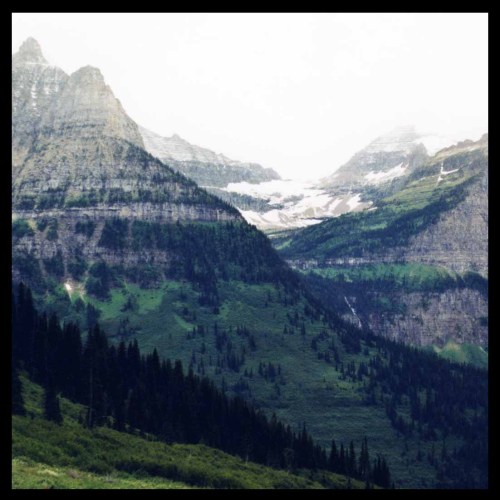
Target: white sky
[{"x": 300, "y": 93}]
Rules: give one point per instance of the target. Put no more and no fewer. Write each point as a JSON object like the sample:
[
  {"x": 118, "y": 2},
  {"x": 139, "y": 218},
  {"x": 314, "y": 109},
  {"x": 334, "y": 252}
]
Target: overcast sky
[{"x": 300, "y": 93}]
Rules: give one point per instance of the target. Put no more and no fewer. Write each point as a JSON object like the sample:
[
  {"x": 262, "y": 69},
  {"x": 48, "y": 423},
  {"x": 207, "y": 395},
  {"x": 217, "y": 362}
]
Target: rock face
[
  {"x": 205, "y": 167},
  {"x": 458, "y": 315},
  {"x": 78, "y": 157},
  {"x": 34, "y": 84},
  {"x": 86, "y": 108},
  {"x": 459, "y": 239}
]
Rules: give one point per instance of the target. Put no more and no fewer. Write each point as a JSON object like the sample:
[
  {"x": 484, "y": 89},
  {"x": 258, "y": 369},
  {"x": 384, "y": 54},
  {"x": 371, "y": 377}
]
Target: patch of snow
[
  {"x": 354, "y": 201},
  {"x": 275, "y": 219},
  {"x": 379, "y": 177},
  {"x": 312, "y": 205},
  {"x": 443, "y": 173},
  {"x": 68, "y": 287},
  {"x": 353, "y": 311}
]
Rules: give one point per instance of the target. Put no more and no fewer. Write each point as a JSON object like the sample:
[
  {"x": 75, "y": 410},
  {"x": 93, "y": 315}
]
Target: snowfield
[{"x": 303, "y": 204}]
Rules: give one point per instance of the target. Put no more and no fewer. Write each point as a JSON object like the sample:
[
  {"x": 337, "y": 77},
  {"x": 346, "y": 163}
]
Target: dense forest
[
  {"x": 200, "y": 253},
  {"x": 144, "y": 394}
]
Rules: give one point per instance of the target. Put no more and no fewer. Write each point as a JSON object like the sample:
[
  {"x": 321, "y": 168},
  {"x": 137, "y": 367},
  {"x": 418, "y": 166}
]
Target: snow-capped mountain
[{"x": 205, "y": 167}]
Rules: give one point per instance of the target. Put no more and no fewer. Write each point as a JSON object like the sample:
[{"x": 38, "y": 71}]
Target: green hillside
[
  {"x": 45, "y": 455},
  {"x": 275, "y": 350},
  {"x": 396, "y": 218}
]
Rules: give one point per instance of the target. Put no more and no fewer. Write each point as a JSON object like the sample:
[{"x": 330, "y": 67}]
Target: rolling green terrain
[{"x": 45, "y": 455}]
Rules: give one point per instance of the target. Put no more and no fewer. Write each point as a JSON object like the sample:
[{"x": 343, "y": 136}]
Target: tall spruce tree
[
  {"x": 17, "y": 395},
  {"x": 51, "y": 408}
]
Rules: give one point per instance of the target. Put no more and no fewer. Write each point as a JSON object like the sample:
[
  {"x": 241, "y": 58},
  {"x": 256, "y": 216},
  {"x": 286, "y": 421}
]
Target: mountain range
[
  {"x": 385, "y": 164},
  {"x": 107, "y": 232}
]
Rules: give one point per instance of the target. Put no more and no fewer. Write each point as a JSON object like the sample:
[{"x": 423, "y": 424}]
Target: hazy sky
[{"x": 299, "y": 93}]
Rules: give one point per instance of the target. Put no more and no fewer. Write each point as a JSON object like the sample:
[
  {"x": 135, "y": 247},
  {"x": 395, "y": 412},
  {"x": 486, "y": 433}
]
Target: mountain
[
  {"x": 85, "y": 167},
  {"x": 205, "y": 167},
  {"x": 279, "y": 207},
  {"x": 104, "y": 232},
  {"x": 386, "y": 158},
  {"x": 34, "y": 84},
  {"x": 415, "y": 266}
]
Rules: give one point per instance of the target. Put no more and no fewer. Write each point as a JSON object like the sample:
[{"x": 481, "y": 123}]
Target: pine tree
[
  {"x": 52, "y": 410},
  {"x": 342, "y": 460},
  {"x": 333, "y": 460},
  {"x": 364, "y": 461},
  {"x": 351, "y": 461},
  {"x": 17, "y": 395}
]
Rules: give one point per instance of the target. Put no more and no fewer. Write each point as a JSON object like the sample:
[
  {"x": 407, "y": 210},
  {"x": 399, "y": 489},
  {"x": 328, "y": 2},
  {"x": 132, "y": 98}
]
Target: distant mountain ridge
[
  {"x": 205, "y": 167},
  {"x": 379, "y": 169}
]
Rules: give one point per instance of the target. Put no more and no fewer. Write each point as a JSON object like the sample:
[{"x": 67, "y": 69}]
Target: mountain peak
[
  {"x": 88, "y": 74},
  {"x": 401, "y": 138},
  {"x": 30, "y": 52}
]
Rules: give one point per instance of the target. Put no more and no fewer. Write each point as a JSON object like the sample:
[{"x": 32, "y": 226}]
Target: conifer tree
[
  {"x": 351, "y": 461},
  {"x": 17, "y": 395},
  {"x": 52, "y": 410},
  {"x": 364, "y": 461}
]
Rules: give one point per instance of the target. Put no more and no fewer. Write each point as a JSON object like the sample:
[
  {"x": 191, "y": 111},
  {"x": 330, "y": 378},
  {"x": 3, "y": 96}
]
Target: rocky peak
[
  {"x": 30, "y": 52},
  {"x": 87, "y": 107},
  {"x": 88, "y": 75},
  {"x": 399, "y": 139},
  {"x": 35, "y": 84},
  {"x": 388, "y": 157}
]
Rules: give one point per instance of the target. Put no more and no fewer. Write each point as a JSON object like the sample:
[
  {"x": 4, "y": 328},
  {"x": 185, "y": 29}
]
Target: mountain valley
[{"x": 158, "y": 241}]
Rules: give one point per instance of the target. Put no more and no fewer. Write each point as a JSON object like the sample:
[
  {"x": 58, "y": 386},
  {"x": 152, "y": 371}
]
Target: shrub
[{"x": 20, "y": 228}]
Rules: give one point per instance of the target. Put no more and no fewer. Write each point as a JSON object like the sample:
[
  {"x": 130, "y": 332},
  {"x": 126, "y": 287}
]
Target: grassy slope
[
  {"x": 463, "y": 353},
  {"x": 27, "y": 474},
  {"x": 310, "y": 390},
  {"x": 70, "y": 456}
]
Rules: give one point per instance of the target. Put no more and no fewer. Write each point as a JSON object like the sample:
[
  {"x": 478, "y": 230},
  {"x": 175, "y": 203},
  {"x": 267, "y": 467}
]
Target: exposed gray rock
[
  {"x": 87, "y": 108},
  {"x": 35, "y": 83},
  {"x": 203, "y": 166},
  {"x": 78, "y": 157},
  {"x": 430, "y": 318}
]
